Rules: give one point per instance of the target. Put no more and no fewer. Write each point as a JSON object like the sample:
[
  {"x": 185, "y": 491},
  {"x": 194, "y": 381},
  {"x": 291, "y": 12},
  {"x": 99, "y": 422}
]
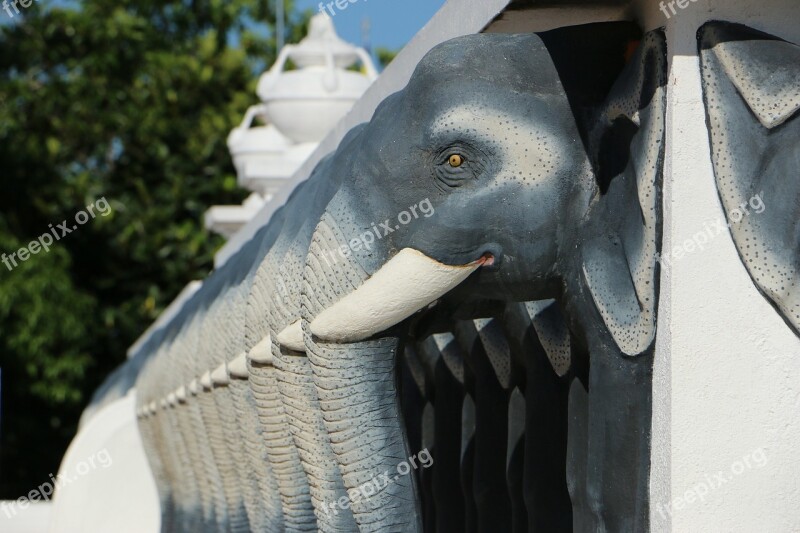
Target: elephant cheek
[{"x": 357, "y": 391}]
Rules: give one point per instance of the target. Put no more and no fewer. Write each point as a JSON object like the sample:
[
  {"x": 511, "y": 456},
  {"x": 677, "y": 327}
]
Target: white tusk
[
  {"x": 261, "y": 353},
  {"x": 219, "y": 376},
  {"x": 180, "y": 394},
  {"x": 292, "y": 337},
  {"x": 194, "y": 387},
  {"x": 237, "y": 369},
  {"x": 405, "y": 284},
  {"x": 205, "y": 381}
]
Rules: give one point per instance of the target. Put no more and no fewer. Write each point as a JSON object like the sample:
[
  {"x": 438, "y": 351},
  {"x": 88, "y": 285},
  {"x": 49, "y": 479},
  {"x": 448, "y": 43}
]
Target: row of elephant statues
[{"x": 474, "y": 273}]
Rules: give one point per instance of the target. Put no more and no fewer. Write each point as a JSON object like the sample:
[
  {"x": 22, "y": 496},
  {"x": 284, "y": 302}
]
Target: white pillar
[{"x": 727, "y": 383}]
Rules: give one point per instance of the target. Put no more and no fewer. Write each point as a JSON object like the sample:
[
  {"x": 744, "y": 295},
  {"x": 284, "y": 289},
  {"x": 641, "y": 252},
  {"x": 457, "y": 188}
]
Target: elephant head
[{"x": 487, "y": 178}]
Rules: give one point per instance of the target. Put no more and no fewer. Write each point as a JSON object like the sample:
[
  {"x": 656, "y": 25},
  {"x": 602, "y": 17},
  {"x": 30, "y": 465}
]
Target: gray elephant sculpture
[
  {"x": 526, "y": 208},
  {"x": 494, "y": 228}
]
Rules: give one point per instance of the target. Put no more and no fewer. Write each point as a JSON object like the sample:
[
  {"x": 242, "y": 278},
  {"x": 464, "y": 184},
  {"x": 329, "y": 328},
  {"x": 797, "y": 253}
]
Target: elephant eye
[
  {"x": 453, "y": 169},
  {"x": 455, "y": 160}
]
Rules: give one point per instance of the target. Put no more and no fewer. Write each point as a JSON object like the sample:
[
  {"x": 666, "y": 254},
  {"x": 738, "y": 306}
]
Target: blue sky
[{"x": 393, "y": 22}]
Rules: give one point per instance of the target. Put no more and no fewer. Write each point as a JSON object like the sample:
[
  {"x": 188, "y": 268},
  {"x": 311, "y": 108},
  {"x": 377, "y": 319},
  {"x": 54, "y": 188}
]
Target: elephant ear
[
  {"x": 623, "y": 226},
  {"x": 751, "y": 88}
]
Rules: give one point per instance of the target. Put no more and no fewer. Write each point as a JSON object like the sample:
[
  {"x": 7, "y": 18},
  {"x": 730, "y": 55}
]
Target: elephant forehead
[{"x": 525, "y": 151}]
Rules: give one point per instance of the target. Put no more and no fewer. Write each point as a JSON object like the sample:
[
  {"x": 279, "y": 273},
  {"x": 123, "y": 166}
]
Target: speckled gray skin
[
  {"x": 292, "y": 483},
  {"x": 187, "y": 487},
  {"x": 262, "y": 499},
  {"x": 201, "y": 463},
  {"x": 751, "y": 87},
  {"x": 274, "y": 307},
  {"x": 284, "y": 392},
  {"x": 151, "y": 431},
  {"x": 209, "y": 356},
  {"x": 561, "y": 220},
  {"x": 225, "y": 343},
  {"x": 258, "y": 442},
  {"x": 212, "y": 489},
  {"x": 292, "y": 369}
]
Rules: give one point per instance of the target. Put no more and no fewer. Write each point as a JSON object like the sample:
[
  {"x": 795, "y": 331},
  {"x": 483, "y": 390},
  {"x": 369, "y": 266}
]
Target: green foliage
[
  {"x": 130, "y": 100},
  {"x": 385, "y": 56}
]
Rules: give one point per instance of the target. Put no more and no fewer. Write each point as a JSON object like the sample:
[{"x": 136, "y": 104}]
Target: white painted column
[{"x": 727, "y": 384}]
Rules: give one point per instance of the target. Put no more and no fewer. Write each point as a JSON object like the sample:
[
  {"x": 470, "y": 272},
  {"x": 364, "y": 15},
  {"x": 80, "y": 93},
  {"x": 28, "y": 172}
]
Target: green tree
[
  {"x": 129, "y": 100},
  {"x": 385, "y": 56}
]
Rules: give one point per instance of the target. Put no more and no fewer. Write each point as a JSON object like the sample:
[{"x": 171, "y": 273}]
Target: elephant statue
[
  {"x": 478, "y": 261},
  {"x": 529, "y": 201},
  {"x": 280, "y": 372}
]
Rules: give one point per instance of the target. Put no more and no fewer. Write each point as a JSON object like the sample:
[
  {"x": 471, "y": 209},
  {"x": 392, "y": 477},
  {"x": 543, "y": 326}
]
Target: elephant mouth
[{"x": 408, "y": 282}]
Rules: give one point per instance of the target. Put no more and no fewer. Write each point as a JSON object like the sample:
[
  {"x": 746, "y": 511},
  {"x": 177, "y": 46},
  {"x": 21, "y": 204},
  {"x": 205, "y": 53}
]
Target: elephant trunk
[
  {"x": 357, "y": 390},
  {"x": 296, "y": 385},
  {"x": 225, "y": 498},
  {"x": 212, "y": 496},
  {"x": 197, "y": 512},
  {"x": 298, "y": 511},
  {"x": 257, "y": 460},
  {"x": 299, "y": 395},
  {"x": 150, "y": 429},
  {"x": 356, "y": 385},
  {"x": 229, "y": 423}
]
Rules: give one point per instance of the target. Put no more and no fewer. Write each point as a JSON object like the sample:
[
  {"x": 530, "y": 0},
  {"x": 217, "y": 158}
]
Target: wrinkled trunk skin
[
  {"x": 225, "y": 498},
  {"x": 148, "y": 428},
  {"x": 200, "y": 512},
  {"x": 270, "y": 515},
  {"x": 189, "y": 507},
  {"x": 205, "y": 358},
  {"x": 218, "y": 349},
  {"x": 356, "y": 385},
  {"x": 298, "y": 512},
  {"x": 185, "y": 487},
  {"x": 207, "y": 473},
  {"x": 230, "y": 430},
  {"x": 299, "y": 396},
  {"x": 295, "y": 496},
  {"x": 212, "y": 495},
  {"x": 149, "y": 431}
]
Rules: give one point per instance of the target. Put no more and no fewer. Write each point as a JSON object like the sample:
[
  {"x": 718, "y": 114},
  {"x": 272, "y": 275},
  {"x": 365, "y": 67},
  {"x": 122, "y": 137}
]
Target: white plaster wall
[
  {"x": 34, "y": 518},
  {"x": 734, "y": 366},
  {"x": 114, "y": 490}
]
